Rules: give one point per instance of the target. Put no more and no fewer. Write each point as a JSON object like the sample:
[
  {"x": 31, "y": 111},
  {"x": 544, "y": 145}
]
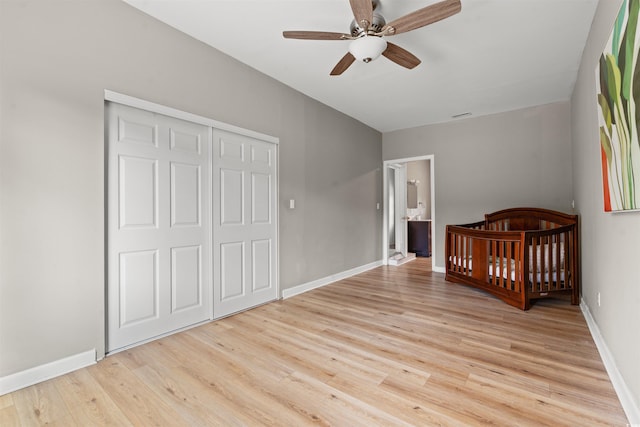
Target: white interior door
[
  {"x": 158, "y": 225},
  {"x": 244, "y": 222},
  {"x": 400, "y": 209}
]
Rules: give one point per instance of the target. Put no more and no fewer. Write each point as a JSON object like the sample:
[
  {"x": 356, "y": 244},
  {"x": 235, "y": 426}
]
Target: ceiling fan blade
[
  {"x": 362, "y": 11},
  {"x": 401, "y": 56},
  {"x": 314, "y": 35},
  {"x": 421, "y": 17},
  {"x": 343, "y": 64}
]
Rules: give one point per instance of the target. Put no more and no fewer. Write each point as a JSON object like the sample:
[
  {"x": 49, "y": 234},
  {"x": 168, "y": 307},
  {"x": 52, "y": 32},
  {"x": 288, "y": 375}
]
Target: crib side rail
[
  {"x": 458, "y": 247},
  {"x": 552, "y": 262},
  {"x": 487, "y": 259}
]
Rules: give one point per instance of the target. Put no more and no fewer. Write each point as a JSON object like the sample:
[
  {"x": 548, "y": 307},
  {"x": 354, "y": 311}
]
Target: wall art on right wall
[{"x": 618, "y": 89}]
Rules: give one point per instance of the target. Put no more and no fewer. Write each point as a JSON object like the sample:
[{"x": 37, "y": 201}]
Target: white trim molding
[
  {"x": 142, "y": 104},
  {"x": 624, "y": 394},
  {"x": 35, "y": 375},
  {"x": 299, "y": 289}
]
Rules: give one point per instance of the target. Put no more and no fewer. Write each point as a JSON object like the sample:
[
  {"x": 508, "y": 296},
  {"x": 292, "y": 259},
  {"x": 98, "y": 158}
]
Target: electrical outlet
[
  {"x": 598, "y": 299},
  {"x": 573, "y": 204}
]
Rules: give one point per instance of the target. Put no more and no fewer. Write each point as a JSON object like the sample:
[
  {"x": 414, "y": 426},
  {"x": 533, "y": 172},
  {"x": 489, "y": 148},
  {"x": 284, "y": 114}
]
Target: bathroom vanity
[{"x": 419, "y": 237}]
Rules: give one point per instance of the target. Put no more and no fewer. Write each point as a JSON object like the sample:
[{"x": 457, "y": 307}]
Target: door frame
[
  {"x": 385, "y": 197},
  {"x": 112, "y": 96}
]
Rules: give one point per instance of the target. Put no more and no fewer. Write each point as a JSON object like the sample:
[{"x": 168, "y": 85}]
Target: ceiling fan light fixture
[{"x": 367, "y": 48}]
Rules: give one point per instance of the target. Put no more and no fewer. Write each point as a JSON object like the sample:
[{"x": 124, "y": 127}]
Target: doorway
[{"x": 409, "y": 209}]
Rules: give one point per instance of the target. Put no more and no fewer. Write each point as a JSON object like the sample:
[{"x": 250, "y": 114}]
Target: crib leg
[
  {"x": 525, "y": 302},
  {"x": 575, "y": 296}
]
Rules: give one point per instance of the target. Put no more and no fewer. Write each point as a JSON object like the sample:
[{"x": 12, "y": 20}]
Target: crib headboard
[{"x": 527, "y": 219}]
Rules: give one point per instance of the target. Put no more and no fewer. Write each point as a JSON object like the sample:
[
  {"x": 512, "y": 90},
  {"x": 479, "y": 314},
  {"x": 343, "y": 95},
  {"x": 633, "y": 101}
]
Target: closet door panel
[
  {"x": 158, "y": 225},
  {"x": 244, "y": 222}
]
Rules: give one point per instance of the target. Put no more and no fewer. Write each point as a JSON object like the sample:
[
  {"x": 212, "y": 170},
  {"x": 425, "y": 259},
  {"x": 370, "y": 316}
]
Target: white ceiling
[{"x": 494, "y": 56}]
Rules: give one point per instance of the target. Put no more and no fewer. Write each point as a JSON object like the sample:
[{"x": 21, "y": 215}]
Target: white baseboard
[
  {"x": 299, "y": 289},
  {"x": 624, "y": 394},
  {"x": 45, "y": 372}
]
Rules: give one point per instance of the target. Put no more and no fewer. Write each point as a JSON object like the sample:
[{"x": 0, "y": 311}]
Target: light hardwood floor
[{"x": 393, "y": 346}]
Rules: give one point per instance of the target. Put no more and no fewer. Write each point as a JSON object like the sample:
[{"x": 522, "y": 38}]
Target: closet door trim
[{"x": 183, "y": 115}]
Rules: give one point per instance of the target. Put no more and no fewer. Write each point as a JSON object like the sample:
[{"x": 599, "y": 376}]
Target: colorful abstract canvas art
[{"x": 618, "y": 88}]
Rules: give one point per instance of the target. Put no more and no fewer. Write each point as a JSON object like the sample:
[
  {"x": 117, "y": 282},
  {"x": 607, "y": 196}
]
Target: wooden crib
[{"x": 518, "y": 255}]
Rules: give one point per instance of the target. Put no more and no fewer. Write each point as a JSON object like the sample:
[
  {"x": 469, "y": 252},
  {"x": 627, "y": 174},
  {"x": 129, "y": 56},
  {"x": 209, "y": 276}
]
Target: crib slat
[
  {"x": 571, "y": 261},
  {"x": 463, "y": 255},
  {"x": 559, "y": 261},
  {"x": 554, "y": 277},
  {"x": 568, "y": 261},
  {"x": 453, "y": 251},
  {"x": 459, "y": 250},
  {"x": 517, "y": 286},
  {"x": 509, "y": 256},
  {"x": 547, "y": 270},
  {"x": 453, "y": 241},
  {"x": 498, "y": 270},
  {"x": 544, "y": 249},
  {"x": 534, "y": 265},
  {"x": 501, "y": 264},
  {"x": 468, "y": 254},
  {"x": 460, "y": 253},
  {"x": 492, "y": 261}
]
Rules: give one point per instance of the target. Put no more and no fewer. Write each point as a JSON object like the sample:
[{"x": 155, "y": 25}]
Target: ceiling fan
[{"x": 368, "y": 32}]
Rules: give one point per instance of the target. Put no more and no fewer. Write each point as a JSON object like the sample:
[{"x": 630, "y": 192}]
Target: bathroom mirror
[{"x": 412, "y": 195}]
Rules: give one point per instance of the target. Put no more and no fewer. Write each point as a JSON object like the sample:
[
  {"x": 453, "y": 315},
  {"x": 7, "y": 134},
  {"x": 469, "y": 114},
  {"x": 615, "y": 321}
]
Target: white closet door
[
  {"x": 244, "y": 222},
  {"x": 158, "y": 225}
]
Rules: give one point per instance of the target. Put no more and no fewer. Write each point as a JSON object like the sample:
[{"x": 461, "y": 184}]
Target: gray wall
[
  {"x": 57, "y": 57},
  {"x": 610, "y": 242},
  {"x": 483, "y": 164}
]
